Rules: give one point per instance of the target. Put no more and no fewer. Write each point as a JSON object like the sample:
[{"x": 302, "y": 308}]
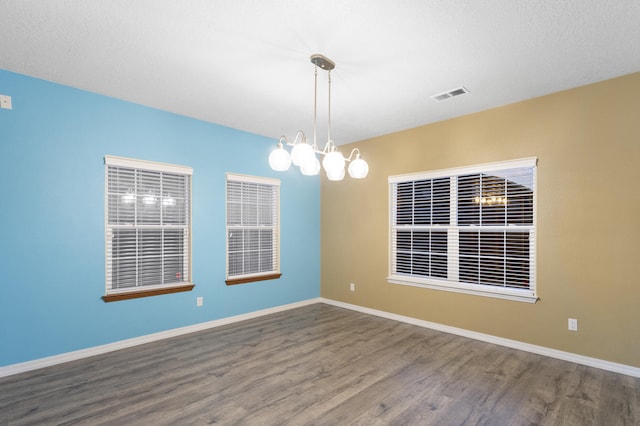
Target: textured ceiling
[{"x": 245, "y": 63}]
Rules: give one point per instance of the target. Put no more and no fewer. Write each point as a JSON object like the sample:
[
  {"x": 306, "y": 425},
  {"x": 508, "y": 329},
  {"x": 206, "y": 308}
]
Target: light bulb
[
  {"x": 168, "y": 201},
  {"x": 312, "y": 168},
  {"x": 302, "y": 153},
  {"x": 129, "y": 197},
  {"x": 279, "y": 159},
  {"x": 358, "y": 169},
  {"x": 336, "y": 174},
  {"x": 333, "y": 162},
  {"x": 149, "y": 199}
]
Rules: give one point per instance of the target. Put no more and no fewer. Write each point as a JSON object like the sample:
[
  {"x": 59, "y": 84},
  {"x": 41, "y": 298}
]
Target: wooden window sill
[
  {"x": 146, "y": 293},
  {"x": 252, "y": 279}
]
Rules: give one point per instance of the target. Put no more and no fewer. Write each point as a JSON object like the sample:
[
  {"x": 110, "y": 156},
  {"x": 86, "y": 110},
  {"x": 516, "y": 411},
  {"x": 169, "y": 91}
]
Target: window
[
  {"x": 148, "y": 227},
  {"x": 253, "y": 234},
  {"x": 470, "y": 229}
]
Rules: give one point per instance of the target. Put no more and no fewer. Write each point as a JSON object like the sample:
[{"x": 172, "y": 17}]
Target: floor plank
[{"x": 319, "y": 365}]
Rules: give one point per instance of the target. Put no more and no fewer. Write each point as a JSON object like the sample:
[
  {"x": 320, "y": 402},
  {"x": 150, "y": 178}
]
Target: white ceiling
[{"x": 245, "y": 63}]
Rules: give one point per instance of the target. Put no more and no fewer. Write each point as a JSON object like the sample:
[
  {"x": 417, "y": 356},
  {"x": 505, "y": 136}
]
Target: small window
[
  {"x": 468, "y": 229},
  {"x": 253, "y": 229},
  {"x": 148, "y": 228}
]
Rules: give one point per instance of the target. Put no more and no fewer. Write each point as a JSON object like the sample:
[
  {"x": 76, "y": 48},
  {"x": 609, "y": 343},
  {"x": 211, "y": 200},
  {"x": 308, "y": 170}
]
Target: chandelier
[{"x": 304, "y": 155}]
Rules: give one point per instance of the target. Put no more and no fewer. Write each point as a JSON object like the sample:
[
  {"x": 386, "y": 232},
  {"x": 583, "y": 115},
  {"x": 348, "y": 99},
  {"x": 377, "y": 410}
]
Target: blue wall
[{"x": 52, "y": 145}]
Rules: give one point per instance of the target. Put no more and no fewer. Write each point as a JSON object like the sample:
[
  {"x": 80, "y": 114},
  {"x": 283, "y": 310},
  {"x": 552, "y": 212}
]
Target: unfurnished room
[{"x": 379, "y": 212}]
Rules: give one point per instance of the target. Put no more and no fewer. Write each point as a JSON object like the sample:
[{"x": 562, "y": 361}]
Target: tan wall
[{"x": 587, "y": 141}]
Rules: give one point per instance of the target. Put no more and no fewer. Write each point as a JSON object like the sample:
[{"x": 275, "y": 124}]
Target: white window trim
[
  {"x": 519, "y": 295},
  {"x": 263, "y": 181},
  {"x": 457, "y": 171},
  {"x": 474, "y": 289},
  {"x": 110, "y": 160},
  {"x": 131, "y": 163}
]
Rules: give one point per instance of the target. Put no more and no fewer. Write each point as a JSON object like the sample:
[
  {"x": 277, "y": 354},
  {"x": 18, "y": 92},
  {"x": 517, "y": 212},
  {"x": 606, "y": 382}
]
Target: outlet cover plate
[{"x": 5, "y": 102}]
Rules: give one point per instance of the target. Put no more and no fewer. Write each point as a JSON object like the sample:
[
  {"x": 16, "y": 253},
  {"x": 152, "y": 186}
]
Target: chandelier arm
[
  {"x": 353, "y": 151},
  {"x": 300, "y": 135},
  {"x": 330, "y": 146},
  {"x": 300, "y": 138}
]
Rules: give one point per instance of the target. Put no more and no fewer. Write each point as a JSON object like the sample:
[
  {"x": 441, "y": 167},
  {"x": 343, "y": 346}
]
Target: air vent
[{"x": 450, "y": 94}]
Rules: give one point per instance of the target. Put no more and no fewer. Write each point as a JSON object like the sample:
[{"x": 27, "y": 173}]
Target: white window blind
[
  {"x": 148, "y": 215},
  {"x": 253, "y": 219},
  {"x": 468, "y": 229}
]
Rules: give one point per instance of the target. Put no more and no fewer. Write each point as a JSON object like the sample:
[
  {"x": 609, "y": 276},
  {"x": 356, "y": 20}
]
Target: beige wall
[{"x": 587, "y": 141}]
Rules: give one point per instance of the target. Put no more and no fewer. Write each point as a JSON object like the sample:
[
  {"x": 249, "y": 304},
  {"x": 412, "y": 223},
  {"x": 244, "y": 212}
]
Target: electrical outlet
[
  {"x": 352, "y": 287},
  {"x": 199, "y": 301},
  {"x": 5, "y": 102},
  {"x": 573, "y": 324}
]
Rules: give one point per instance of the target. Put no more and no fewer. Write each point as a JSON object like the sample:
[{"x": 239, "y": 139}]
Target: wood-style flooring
[{"x": 319, "y": 365}]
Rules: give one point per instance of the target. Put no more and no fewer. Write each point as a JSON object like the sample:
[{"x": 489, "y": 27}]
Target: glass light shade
[
  {"x": 358, "y": 169},
  {"x": 149, "y": 199},
  {"x": 168, "y": 201},
  {"x": 312, "y": 168},
  {"x": 336, "y": 174},
  {"x": 279, "y": 159},
  {"x": 302, "y": 153},
  {"x": 129, "y": 197},
  {"x": 333, "y": 162}
]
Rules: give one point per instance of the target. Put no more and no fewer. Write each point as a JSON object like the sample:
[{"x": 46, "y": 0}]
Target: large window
[
  {"x": 253, "y": 234},
  {"x": 470, "y": 229},
  {"x": 148, "y": 226}
]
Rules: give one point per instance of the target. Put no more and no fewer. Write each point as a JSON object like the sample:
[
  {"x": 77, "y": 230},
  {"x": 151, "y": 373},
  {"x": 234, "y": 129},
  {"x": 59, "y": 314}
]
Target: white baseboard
[
  {"x": 540, "y": 350},
  {"x": 97, "y": 350},
  {"x": 122, "y": 344}
]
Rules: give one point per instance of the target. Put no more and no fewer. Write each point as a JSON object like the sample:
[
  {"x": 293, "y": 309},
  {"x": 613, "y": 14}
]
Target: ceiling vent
[{"x": 450, "y": 94}]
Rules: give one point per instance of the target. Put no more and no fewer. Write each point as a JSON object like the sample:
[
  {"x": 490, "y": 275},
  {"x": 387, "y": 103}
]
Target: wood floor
[{"x": 319, "y": 365}]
